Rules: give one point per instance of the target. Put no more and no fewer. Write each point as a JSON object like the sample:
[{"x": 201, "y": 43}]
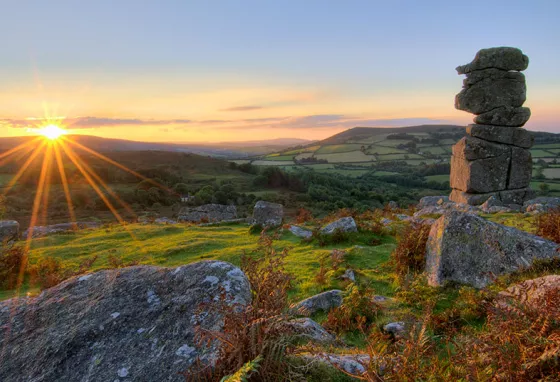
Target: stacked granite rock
[{"x": 493, "y": 159}]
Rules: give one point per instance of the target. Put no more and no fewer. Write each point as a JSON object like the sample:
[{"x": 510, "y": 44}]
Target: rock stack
[{"x": 493, "y": 159}]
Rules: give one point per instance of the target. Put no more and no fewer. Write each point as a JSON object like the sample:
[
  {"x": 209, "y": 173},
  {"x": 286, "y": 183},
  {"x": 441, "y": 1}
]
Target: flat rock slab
[
  {"x": 504, "y": 116},
  {"x": 130, "y": 324},
  {"x": 502, "y": 134},
  {"x": 468, "y": 249},
  {"x": 489, "y": 89},
  {"x": 503, "y": 58}
]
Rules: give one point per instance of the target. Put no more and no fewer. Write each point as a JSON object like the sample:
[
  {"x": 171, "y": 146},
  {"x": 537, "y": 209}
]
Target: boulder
[
  {"x": 516, "y": 196},
  {"x": 349, "y": 275},
  {"x": 502, "y": 134},
  {"x": 308, "y": 329},
  {"x": 533, "y": 293},
  {"x": 521, "y": 169},
  {"x": 488, "y": 89},
  {"x": 353, "y": 364},
  {"x": 9, "y": 231},
  {"x": 207, "y": 213},
  {"x": 431, "y": 201},
  {"x": 321, "y": 302},
  {"x": 481, "y": 175},
  {"x": 40, "y": 231},
  {"x": 503, "y": 58},
  {"x": 395, "y": 328},
  {"x": 467, "y": 249},
  {"x": 134, "y": 323},
  {"x": 268, "y": 214},
  {"x": 346, "y": 224},
  {"x": 504, "y": 116},
  {"x": 493, "y": 205},
  {"x": 301, "y": 232}
]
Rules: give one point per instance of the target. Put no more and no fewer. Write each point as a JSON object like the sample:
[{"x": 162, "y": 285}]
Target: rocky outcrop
[
  {"x": 208, "y": 213},
  {"x": 493, "y": 159},
  {"x": 268, "y": 214},
  {"x": 130, "y": 324},
  {"x": 541, "y": 204},
  {"x": 468, "y": 249},
  {"x": 9, "y": 231},
  {"x": 321, "y": 302},
  {"x": 346, "y": 224},
  {"x": 40, "y": 231}
]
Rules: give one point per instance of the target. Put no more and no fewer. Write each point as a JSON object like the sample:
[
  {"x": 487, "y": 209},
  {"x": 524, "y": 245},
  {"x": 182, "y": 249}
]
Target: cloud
[
  {"x": 243, "y": 108},
  {"x": 88, "y": 122}
]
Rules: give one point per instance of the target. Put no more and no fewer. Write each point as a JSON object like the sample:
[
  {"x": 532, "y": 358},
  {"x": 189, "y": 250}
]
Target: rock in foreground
[
  {"x": 135, "y": 323},
  {"x": 321, "y": 302},
  {"x": 467, "y": 249},
  {"x": 346, "y": 224}
]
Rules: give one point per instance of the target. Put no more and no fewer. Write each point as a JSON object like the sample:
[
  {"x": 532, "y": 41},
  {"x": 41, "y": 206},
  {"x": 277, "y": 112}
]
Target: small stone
[
  {"x": 395, "y": 328},
  {"x": 504, "y": 116},
  {"x": 321, "y": 302},
  {"x": 430, "y": 201},
  {"x": 123, "y": 372},
  {"x": 503, "y": 58},
  {"x": 491, "y": 203},
  {"x": 349, "y": 275},
  {"x": 307, "y": 328},
  {"x": 300, "y": 232}
]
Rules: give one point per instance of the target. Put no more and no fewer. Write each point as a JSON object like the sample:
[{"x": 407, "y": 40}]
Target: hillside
[{"x": 391, "y": 153}]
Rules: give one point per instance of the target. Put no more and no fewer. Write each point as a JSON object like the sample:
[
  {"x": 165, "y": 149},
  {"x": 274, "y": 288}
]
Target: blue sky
[{"x": 230, "y": 70}]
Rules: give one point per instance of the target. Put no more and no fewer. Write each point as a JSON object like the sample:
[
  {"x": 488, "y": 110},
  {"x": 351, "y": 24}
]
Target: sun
[{"x": 52, "y": 132}]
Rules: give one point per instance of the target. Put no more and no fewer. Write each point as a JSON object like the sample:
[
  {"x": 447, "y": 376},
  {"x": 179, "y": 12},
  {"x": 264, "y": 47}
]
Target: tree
[{"x": 545, "y": 188}]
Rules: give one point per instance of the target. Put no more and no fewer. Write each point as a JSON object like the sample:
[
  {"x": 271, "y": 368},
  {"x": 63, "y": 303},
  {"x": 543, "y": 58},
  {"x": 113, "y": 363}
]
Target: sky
[{"x": 233, "y": 70}]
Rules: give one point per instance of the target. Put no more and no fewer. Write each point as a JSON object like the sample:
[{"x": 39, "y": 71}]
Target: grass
[
  {"x": 382, "y": 150},
  {"x": 274, "y": 157},
  {"x": 437, "y": 178},
  {"x": 331, "y": 149},
  {"x": 552, "y": 173},
  {"x": 177, "y": 245},
  {"x": 351, "y": 156},
  {"x": 538, "y": 153}
]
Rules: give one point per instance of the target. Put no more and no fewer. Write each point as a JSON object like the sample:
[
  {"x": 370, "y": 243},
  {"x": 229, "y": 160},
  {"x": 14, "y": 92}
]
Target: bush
[
  {"x": 254, "y": 332},
  {"x": 548, "y": 225},
  {"x": 410, "y": 254},
  {"x": 357, "y": 312},
  {"x": 47, "y": 272},
  {"x": 11, "y": 261}
]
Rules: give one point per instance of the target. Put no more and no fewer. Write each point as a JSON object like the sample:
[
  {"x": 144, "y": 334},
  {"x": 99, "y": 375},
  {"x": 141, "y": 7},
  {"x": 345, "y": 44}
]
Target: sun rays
[{"x": 52, "y": 152}]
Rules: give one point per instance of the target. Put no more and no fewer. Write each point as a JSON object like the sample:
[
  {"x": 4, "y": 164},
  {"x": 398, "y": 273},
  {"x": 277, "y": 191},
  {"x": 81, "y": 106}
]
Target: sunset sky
[{"x": 203, "y": 71}]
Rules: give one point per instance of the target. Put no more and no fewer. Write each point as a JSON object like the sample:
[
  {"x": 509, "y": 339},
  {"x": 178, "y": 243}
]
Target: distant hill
[{"x": 221, "y": 149}]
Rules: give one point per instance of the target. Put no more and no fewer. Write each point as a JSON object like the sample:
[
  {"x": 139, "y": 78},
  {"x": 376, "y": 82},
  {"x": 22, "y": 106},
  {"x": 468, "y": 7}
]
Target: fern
[{"x": 244, "y": 372}]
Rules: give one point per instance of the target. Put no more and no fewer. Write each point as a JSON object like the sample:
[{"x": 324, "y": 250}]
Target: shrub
[
  {"x": 11, "y": 262},
  {"x": 337, "y": 258},
  {"x": 410, "y": 254},
  {"x": 357, "y": 312},
  {"x": 48, "y": 272},
  {"x": 321, "y": 277},
  {"x": 548, "y": 225},
  {"x": 254, "y": 332},
  {"x": 304, "y": 215}
]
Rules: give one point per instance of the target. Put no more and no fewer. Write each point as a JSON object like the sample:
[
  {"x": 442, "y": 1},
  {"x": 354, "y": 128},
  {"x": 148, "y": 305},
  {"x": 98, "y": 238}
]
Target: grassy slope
[{"x": 177, "y": 245}]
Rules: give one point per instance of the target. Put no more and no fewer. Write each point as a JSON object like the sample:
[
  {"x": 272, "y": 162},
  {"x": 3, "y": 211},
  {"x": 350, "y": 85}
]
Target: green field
[
  {"x": 552, "y": 173},
  {"x": 538, "y": 153},
  {"x": 352, "y": 156},
  {"x": 381, "y": 150},
  {"x": 182, "y": 244},
  {"x": 338, "y": 148},
  {"x": 437, "y": 178},
  {"x": 280, "y": 158}
]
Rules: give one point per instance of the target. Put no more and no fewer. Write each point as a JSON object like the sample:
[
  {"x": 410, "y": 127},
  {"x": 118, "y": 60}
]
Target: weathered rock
[
  {"x": 471, "y": 148},
  {"x": 516, "y": 196},
  {"x": 308, "y": 329},
  {"x": 386, "y": 222},
  {"x": 481, "y": 175},
  {"x": 502, "y": 134},
  {"x": 471, "y": 199},
  {"x": 430, "y": 201},
  {"x": 321, "y": 302},
  {"x": 491, "y": 203},
  {"x": 395, "y": 328},
  {"x": 40, "y": 231},
  {"x": 353, "y": 364},
  {"x": 207, "y": 213},
  {"x": 301, "y": 232},
  {"x": 165, "y": 221},
  {"x": 504, "y": 116},
  {"x": 489, "y": 89},
  {"x": 346, "y": 224},
  {"x": 504, "y": 58},
  {"x": 349, "y": 275},
  {"x": 268, "y": 214},
  {"x": 467, "y": 249},
  {"x": 9, "y": 231},
  {"x": 541, "y": 204},
  {"x": 137, "y": 322},
  {"x": 521, "y": 169},
  {"x": 533, "y": 293}
]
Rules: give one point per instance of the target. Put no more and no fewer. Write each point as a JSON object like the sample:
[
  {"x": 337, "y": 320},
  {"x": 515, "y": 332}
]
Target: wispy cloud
[
  {"x": 88, "y": 122},
  {"x": 243, "y": 108}
]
